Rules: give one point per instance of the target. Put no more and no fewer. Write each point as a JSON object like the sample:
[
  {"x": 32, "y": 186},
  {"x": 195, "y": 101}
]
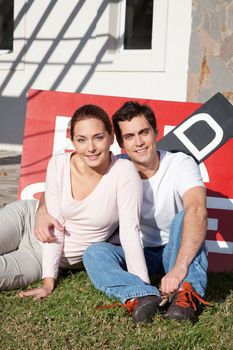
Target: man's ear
[
  {"x": 121, "y": 144},
  {"x": 112, "y": 138}
]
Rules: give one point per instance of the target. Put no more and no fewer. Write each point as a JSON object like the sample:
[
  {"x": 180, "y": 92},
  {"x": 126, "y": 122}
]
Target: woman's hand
[{"x": 41, "y": 292}]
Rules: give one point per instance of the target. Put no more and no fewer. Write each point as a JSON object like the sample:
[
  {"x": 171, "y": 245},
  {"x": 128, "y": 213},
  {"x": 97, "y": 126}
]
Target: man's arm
[
  {"x": 193, "y": 236},
  {"x": 45, "y": 223}
]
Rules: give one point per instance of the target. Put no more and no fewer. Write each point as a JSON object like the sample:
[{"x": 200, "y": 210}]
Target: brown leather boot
[
  {"x": 143, "y": 308},
  {"x": 183, "y": 306}
]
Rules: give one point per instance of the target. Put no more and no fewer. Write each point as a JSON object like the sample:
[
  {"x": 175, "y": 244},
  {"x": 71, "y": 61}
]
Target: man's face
[{"x": 138, "y": 140}]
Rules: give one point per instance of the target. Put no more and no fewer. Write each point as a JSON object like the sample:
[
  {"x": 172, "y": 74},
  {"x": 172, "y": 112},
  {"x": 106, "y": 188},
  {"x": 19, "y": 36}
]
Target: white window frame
[{"x": 119, "y": 59}]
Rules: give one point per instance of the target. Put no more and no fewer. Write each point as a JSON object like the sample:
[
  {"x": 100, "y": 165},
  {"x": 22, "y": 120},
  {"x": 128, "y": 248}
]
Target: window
[
  {"x": 12, "y": 34},
  {"x": 6, "y": 25},
  {"x": 137, "y": 34},
  {"x": 138, "y": 24}
]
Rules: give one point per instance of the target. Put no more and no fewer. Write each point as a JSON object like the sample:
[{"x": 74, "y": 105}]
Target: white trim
[
  {"x": 219, "y": 203},
  {"x": 212, "y": 224},
  {"x": 221, "y": 247},
  {"x": 11, "y": 147},
  {"x": 4, "y": 52},
  {"x": 135, "y": 60}
]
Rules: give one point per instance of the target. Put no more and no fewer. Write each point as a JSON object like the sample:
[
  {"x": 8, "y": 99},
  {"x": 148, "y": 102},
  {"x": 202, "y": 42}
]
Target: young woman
[{"x": 90, "y": 193}]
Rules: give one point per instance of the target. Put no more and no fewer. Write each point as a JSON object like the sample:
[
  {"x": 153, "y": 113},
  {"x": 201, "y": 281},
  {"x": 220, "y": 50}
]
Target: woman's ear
[{"x": 68, "y": 134}]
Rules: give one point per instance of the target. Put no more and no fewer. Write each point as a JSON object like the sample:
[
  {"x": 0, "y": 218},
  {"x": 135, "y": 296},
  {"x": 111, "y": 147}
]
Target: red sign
[{"x": 47, "y": 116}]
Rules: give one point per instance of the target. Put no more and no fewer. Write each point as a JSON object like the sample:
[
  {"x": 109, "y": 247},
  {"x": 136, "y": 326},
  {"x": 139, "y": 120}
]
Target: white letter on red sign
[{"x": 179, "y": 132}]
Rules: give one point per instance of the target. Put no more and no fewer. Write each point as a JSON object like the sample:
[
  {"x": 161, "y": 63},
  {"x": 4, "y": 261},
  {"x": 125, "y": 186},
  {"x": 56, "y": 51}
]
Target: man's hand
[
  {"x": 41, "y": 292},
  {"x": 193, "y": 236},
  {"x": 45, "y": 223},
  {"x": 171, "y": 281},
  {"x": 44, "y": 227}
]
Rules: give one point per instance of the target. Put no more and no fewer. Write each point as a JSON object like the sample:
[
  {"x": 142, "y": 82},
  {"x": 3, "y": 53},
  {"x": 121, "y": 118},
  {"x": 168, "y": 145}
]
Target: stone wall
[{"x": 211, "y": 50}]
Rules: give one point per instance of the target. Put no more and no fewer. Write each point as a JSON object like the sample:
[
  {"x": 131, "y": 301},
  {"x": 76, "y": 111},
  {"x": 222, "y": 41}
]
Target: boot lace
[
  {"x": 129, "y": 305},
  {"x": 186, "y": 295}
]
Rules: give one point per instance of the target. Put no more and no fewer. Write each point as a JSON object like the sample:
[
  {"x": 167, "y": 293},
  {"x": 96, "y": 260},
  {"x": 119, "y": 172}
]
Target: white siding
[{"x": 61, "y": 51}]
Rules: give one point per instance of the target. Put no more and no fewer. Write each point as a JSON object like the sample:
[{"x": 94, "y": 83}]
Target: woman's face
[{"x": 92, "y": 142}]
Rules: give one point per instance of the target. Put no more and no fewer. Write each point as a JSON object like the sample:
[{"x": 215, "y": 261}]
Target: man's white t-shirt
[{"x": 162, "y": 195}]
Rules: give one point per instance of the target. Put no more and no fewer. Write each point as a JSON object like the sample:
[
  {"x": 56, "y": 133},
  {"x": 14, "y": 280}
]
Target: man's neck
[{"x": 147, "y": 171}]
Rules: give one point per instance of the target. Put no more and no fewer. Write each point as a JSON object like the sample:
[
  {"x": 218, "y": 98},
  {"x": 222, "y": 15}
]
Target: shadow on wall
[
  {"x": 15, "y": 108},
  {"x": 12, "y": 119},
  {"x": 10, "y": 160}
]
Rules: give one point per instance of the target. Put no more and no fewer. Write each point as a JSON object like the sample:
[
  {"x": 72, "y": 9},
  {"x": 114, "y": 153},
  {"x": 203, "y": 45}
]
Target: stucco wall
[
  {"x": 211, "y": 50},
  {"x": 57, "y": 47}
]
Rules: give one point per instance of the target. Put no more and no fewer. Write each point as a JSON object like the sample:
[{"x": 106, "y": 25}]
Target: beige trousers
[{"x": 20, "y": 252}]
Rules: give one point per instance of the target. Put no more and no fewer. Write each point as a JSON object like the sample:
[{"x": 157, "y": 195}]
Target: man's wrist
[{"x": 181, "y": 266}]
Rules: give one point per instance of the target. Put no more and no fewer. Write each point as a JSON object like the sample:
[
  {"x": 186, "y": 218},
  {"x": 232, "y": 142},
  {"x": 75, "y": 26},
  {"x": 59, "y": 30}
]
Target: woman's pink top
[{"x": 115, "y": 200}]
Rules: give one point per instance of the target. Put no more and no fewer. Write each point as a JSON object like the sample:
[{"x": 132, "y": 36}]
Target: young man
[
  {"x": 173, "y": 222},
  {"x": 173, "y": 226}
]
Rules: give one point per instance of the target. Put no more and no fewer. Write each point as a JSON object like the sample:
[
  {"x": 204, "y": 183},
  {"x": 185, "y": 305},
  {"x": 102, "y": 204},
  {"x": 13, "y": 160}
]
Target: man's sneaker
[
  {"x": 183, "y": 305},
  {"x": 143, "y": 308}
]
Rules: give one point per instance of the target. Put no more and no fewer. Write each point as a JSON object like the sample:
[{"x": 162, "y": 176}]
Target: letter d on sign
[
  {"x": 204, "y": 131},
  {"x": 200, "y": 154}
]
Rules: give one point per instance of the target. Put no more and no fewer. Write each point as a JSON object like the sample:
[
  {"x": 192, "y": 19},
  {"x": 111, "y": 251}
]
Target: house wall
[
  {"x": 211, "y": 50},
  {"x": 57, "y": 47}
]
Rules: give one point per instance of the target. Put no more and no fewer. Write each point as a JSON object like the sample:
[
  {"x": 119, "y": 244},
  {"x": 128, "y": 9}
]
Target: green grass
[{"x": 68, "y": 319}]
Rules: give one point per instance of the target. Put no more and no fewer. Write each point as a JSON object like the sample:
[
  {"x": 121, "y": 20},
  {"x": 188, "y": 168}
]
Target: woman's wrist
[{"x": 49, "y": 284}]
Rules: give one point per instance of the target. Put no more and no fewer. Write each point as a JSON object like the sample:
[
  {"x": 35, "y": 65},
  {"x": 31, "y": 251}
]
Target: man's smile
[{"x": 141, "y": 150}]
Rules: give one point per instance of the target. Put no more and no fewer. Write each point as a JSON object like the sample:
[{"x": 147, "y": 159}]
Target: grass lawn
[{"x": 68, "y": 319}]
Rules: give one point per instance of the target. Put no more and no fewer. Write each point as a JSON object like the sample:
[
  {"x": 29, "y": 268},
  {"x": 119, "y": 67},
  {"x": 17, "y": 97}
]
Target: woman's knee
[{"x": 18, "y": 269}]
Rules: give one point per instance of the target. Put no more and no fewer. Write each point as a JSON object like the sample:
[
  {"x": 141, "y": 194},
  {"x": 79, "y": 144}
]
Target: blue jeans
[{"x": 106, "y": 266}]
